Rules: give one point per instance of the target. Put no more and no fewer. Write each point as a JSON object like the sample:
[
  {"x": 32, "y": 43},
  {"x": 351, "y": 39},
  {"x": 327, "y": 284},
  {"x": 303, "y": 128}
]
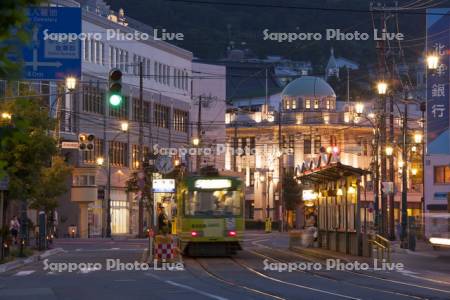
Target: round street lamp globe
[{"x": 115, "y": 99}]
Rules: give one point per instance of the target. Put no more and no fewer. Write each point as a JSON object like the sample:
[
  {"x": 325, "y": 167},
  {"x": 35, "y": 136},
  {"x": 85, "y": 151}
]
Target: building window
[
  {"x": 442, "y": 174},
  {"x": 147, "y": 70},
  {"x": 111, "y": 56},
  {"x": 90, "y": 157},
  {"x": 307, "y": 103},
  {"x": 86, "y": 49},
  {"x": 119, "y": 153},
  {"x": 252, "y": 145},
  {"x": 92, "y": 57},
  {"x": 317, "y": 144},
  {"x": 136, "y": 110},
  {"x": 180, "y": 119},
  {"x": 244, "y": 148},
  {"x": 316, "y": 103},
  {"x": 251, "y": 177},
  {"x": 135, "y": 164},
  {"x": 307, "y": 144},
  {"x": 120, "y": 112},
  {"x": 333, "y": 140},
  {"x": 83, "y": 180},
  {"x": 328, "y": 104},
  {"x": 291, "y": 142},
  {"x": 161, "y": 116},
  {"x": 93, "y": 99}
]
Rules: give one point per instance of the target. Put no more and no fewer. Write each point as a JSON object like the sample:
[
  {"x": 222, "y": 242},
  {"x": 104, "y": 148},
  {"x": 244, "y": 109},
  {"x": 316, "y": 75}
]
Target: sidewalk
[{"x": 424, "y": 261}]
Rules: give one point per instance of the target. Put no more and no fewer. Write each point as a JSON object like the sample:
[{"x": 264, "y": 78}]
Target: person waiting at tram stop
[{"x": 163, "y": 221}]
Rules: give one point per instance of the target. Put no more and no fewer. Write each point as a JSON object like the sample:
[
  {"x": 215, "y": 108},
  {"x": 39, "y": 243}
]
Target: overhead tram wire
[{"x": 294, "y": 7}]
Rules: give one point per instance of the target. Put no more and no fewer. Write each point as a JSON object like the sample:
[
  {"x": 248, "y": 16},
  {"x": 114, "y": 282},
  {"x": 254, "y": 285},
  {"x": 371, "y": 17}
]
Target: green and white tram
[{"x": 210, "y": 217}]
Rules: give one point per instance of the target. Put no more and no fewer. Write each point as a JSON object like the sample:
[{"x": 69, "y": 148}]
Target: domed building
[
  {"x": 309, "y": 123},
  {"x": 308, "y": 93}
]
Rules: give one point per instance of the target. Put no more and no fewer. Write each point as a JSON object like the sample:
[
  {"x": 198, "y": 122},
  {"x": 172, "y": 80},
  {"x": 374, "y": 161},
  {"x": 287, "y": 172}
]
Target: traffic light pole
[{"x": 108, "y": 202}]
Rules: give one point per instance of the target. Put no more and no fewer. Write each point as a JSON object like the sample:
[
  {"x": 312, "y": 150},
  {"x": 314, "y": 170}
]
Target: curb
[
  {"x": 317, "y": 254},
  {"x": 34, "y": 258},
  {"x": 407, "y": 251}
]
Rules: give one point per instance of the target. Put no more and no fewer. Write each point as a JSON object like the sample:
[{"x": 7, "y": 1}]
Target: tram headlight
[{"x": 194, "y": 233}]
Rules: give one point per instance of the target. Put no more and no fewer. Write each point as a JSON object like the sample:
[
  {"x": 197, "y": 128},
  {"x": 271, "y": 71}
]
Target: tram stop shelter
[{"x": 335, "y": 190}]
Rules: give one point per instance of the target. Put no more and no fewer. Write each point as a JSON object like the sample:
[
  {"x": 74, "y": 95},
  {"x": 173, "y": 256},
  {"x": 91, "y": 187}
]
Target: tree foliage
[
  {"x": 53, "y": 183},
  {"x": 27, "y": 154},
  {"x": 291, "y": 191},
  {"x": 12, "y": 27}
]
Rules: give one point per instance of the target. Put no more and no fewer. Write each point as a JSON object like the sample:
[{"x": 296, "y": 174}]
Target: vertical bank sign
[
  {"x": 52, "y": 59},
  {"x": 438, "y": 96}
]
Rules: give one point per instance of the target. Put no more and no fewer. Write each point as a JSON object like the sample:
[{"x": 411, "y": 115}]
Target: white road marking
[
  {"x": 87, "y": 270},
  {"x": 194, "y": 290},
  {"x": 124, "y": 280},
  {"x": 114, "y": 249},
  {"x": 407, "y": 272},
  {"x": 24, "y": 273}
]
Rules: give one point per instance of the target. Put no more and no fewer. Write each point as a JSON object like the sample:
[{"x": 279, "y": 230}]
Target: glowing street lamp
[
  {"x": 389, "y": 150},
  {"x": 359, "y": 108},
  {"x": 71, "y": 83},
  {"x": 124, "y": 126},
  {"x": 195, "y": 141},
  {"x": 414, "y": 171},
  {"x": 432, "y": 62},
  {"x": 6, "y": 116},
  {"x": 382, "y": 88},
  {"x": 100, "y": 160},
  {"x": 418, "y": 138}
]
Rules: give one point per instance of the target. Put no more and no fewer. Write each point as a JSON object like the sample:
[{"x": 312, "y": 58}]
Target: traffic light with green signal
[{"x": 115, "y": 87}]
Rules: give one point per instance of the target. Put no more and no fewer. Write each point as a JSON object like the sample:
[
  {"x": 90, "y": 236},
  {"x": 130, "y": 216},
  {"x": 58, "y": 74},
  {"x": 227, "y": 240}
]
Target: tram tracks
[
  {"x": 248, "y": 268},
  {"x": 234, "y": 284},
  {"x": 306, "y": 258}
]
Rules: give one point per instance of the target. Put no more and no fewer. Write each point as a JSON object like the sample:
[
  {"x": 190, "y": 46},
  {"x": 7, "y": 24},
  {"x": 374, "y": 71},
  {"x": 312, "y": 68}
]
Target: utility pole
[
  {"x": 235, "y": 145},
  {"x": 141, "y": 147},
  {"x": 391, "y": 170},
  {"x": 199, "y": 132},
  {"x": 280, "y": 170},
  {"x": 405, "y": 178}
]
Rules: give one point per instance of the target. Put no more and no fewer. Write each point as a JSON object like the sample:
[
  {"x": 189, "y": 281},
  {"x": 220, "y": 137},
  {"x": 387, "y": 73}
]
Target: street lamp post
[
  {"x": 404, "y": 178},
  {"x": 382, "y": 88},
  {"x": 100, "y": 160}
]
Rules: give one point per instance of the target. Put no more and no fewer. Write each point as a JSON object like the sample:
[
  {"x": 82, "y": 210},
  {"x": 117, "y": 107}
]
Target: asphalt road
[{"x": 239, "y": 277}]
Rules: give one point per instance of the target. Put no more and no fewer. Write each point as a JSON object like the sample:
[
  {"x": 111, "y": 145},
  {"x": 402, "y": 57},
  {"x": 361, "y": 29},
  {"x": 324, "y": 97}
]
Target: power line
[{"x": 307, "y": 8}]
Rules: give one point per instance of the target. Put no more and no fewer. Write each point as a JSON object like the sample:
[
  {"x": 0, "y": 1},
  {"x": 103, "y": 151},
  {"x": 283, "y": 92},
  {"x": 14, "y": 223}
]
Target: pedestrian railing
[{"x": 382, "y": 247}]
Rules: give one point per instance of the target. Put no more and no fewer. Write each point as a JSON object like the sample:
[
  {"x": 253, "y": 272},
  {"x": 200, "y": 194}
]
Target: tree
[
  {"x": 12, "y": 24},
  {"x": 291, "y": 191},
  {"x": 52, "y": 183},
  {"x": 27, "y": 156}
]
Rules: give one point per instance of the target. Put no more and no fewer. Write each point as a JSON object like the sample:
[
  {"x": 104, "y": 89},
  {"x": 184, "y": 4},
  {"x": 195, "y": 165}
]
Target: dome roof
[{"x": 309, "y": 86}]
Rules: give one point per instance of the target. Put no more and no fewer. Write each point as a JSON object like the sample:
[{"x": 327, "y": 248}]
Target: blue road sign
[
  {"x": 438, "y": 92},
  {"x": 49, "y": 58}
]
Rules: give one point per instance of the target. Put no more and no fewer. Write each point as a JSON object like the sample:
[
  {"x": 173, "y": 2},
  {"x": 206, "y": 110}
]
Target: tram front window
[{"x": 213, "y": 203}]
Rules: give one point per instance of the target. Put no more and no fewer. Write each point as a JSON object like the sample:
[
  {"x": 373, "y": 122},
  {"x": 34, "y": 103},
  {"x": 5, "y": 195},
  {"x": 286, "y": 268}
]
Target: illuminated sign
[
  {"x": 309, "y": 195},
  {"x": 212, "y": 184},
  {"x": 163, "y": 185}
]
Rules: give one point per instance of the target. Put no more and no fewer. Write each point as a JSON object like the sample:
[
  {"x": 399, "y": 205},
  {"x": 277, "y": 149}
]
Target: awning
[{"x": 331, "y": 172}]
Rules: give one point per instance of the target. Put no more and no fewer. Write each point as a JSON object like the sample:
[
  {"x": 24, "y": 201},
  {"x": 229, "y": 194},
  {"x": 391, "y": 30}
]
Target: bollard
[{"x": 268, "y": 227}]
